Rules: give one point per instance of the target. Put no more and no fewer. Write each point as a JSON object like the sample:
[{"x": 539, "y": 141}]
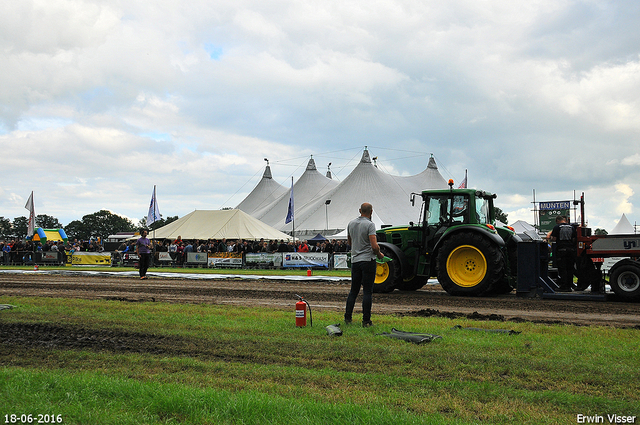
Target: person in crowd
[
  {"x": 282, "y": 246},
  {"x": 143, "y": 249},
  {"x": 213, "y": 246},
  {"x": 173, "y": 248},
  {"x": 303, "y": 247},
  {"x": 222, "y": 245},
  {"x": 180, "y": 254},
  {"x": 6, "y": 253},
  {"x": 361, "y": 236}
]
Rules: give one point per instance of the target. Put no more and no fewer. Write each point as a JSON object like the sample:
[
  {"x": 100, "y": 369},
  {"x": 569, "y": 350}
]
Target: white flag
[
  {"x": 154, "y": 213},
  {"x": 32, "y": 216}
]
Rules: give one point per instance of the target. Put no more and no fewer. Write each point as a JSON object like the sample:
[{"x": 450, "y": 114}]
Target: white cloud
[{"x": 100, "y": 101}]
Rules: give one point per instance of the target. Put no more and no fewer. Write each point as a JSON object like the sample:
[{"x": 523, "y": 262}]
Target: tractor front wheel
[
  {"x": 469, "y": 264},
  {"x": 387, "y": 274}
]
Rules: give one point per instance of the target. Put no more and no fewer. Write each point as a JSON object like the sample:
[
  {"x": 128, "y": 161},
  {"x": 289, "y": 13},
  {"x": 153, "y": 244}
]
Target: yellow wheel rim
[
  {"x": 466, "y": 266},
  {"x": 382, "y": 272}
]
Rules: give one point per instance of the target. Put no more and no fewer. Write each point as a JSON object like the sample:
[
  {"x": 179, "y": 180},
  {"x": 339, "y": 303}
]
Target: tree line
[{"x": 100, "y": 224}]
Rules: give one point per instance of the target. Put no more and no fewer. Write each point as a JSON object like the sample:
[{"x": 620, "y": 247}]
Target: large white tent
[
  {"x": 220, "y": 224},
  {"x": 310, "y": 186},
  {"x": 265, "y": 193},
  {"x": 324, "y": 206}
]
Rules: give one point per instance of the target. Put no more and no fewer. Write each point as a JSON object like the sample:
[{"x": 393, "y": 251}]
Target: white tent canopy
[
  {"x": 623, "y": 227},
  {"x": 266, "y": 192},
  {"x": 313, "y": 213},
  {"x": 526, "y": 231},
  {"x": 222, "y": 224},
  {"x": 389, "y": 195},
  {"x": 311, "y": 185}
]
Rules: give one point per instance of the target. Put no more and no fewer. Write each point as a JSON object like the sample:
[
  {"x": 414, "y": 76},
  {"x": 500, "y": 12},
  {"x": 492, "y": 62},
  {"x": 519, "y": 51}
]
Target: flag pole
[
  {"x": 293, "y": 217},
  {"x": 154, "y": 227}
]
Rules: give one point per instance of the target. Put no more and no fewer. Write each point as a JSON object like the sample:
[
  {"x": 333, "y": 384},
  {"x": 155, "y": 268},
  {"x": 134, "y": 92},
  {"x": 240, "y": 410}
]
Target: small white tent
[
  {"x": 623, "y": 227},
  {"x": 526, "y": 231},
  {"x": 207, "y": 224}
]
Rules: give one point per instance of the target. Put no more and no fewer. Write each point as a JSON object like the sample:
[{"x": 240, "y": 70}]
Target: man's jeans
[{"x": 363, "y": 273}]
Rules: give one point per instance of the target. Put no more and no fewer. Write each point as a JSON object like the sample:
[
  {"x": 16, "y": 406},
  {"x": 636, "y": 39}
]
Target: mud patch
[
  {"x": 44, "y": 336},
  {"x": 481, "y": 317}
]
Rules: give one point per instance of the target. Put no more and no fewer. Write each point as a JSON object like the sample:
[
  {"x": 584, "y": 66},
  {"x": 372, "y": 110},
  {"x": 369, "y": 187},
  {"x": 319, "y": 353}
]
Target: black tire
[
  {"x": 412, "y": 284},
  {"x": 588, "y": 275},
  {"x": 469, "y": 264},
  {"x": 504, "y": 286},
  {"x": 625, "y": 281},
  {"x": 388, "y": 275}
]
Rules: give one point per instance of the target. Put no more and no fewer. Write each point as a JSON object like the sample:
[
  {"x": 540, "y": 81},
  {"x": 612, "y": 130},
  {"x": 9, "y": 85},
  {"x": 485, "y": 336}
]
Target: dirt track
[{"x": 429, "y": 301}]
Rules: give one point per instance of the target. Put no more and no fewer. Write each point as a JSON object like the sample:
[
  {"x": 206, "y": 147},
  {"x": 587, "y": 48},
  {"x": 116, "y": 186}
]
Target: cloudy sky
[{"x": 101, "y": 100}]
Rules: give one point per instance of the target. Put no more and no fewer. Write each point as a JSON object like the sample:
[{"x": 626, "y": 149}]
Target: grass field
[{"x": 210, "y": 364}]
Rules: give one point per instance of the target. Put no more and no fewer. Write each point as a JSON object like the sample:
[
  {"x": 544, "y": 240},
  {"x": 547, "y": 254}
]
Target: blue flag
[{"x": 289, "y": 218}]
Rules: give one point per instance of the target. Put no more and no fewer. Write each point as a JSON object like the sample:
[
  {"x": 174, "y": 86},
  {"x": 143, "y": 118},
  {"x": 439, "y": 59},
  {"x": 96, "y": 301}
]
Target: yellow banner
[{"x": 91, "y": 258}]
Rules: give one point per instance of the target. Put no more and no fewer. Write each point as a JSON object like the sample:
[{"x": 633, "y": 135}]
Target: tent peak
[
  {"x": 267, "y": 173},
  {"x": 365, "y": 156},
  {"x": 432, "y": 163},
  {"x": 311, "y": 165}
]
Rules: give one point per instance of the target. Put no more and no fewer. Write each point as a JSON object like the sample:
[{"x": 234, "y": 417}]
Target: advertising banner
[
  {"x": 91, "y": 258},
  {"x": 263, "y": 259},
  {"x": 51, "y": 256},
  {"x": 197, "y": 258},
  {"x": 548, "y": 211},
  {"x": 164, "y": 256},
  {"x": 341, "y": 261},
  {"x": 225, "y": 260},
  {"x": 305, "y": 259}
]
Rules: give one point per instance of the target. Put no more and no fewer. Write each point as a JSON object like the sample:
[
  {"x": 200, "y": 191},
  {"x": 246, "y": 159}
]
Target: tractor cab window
[
  {"x": 460, "y": 209},
  {"x": 439, "y": 210},
  {"x": 483, "y": 207}
]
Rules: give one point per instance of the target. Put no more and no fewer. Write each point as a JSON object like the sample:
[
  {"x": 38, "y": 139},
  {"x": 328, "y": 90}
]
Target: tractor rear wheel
[
  {"x": 469, "y": 264},
  {"x": 388, "y": 275},
  {"x": 625, "y": 281}
]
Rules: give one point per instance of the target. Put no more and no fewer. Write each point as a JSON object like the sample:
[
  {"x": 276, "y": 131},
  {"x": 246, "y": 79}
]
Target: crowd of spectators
[
  {"x": 17, "y": 251},
  {"x": 181, "y": 246}
]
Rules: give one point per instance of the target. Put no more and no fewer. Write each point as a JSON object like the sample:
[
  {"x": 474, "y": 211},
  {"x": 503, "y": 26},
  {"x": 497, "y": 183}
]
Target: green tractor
[{"x": 457, "y": 241}]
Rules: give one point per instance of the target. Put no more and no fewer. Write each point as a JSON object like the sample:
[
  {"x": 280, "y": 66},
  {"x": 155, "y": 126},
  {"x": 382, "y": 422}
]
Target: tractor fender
[
  {"x": 404, "y": 264},
  {"x": 493, "y": 237}
]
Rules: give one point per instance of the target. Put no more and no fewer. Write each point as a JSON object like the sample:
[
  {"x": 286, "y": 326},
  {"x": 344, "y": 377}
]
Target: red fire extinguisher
[{"x": 301, "y": 312}]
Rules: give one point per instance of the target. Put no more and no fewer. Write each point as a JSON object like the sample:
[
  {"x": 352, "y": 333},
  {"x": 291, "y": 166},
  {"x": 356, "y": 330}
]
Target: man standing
[
  {"x": 565, "y": 236},
  {"x": 361, "y": 236},
  {"x": 143, "y": 249}
]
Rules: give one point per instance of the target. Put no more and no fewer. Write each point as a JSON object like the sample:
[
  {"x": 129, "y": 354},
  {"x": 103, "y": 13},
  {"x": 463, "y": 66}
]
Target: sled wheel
[{"x": 625, "y": 281}]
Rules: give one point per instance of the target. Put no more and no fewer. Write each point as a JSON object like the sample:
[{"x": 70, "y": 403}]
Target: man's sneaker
[
  {"x": 367, "y": 324},
  {"x": 347, "y": 321}
]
